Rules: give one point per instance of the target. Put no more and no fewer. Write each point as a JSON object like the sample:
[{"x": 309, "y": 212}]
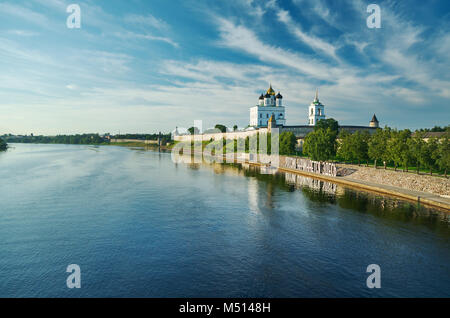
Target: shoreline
[{"x": 419, "y": 197}]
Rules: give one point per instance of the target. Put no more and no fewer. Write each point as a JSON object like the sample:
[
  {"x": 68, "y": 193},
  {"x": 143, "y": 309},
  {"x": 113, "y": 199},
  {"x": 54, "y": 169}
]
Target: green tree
[
  {"x": 345, "y": 146},
  {"x": 235, "y": 128},
  {"x": 424, "y": 153},
  {"x": 222, "y": 128},
  {"x": 416, "y": 146},
  {"x": 320, "y": 144},
  {"x": 193, "y": 130},
  {"x": 287, "y": 143},
  {"x": 327, "y": 123},
  {"x": 360, "y": 146},
  {"x": 397, "y": 148},
  {"x": 3, "y": 145},
  {"x": 377, "y": 146},
  {"x": 442, "y": 155}
]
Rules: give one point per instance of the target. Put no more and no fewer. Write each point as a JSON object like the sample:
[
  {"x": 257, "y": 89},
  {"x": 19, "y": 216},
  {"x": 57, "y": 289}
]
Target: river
[{"x": 139, "y": 225}]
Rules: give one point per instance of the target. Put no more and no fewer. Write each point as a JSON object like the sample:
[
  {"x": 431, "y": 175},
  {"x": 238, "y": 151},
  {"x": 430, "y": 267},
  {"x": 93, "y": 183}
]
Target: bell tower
[{"x": 316, "y": 110}]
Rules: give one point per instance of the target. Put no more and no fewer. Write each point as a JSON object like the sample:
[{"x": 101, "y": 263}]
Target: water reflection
[{"x": 318, "y": 191}]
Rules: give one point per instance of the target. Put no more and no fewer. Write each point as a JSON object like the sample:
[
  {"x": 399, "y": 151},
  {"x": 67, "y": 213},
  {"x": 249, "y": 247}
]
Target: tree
[
  {"x": 377, "y": 145},
  {"x": 360, "y": 146},
  {"x": 430, "y": 149},
  {"x": 3, "y": 145},
  {"x": 354, "y": 146},
  {"x": 320, "y": 144},
  {"x": 287, "y": 143},
  {"x": 235, "y": 128},
  {"x": 416, "y": 146},
  {"x": 327, "y": 123},
  {"x": 193, "y": 130},
  {"x": 345, "y": 146},
  {"x": 442, "y": 155},
  {"x": 222, "y": 128},
  {"x": 397, "y": 148}
]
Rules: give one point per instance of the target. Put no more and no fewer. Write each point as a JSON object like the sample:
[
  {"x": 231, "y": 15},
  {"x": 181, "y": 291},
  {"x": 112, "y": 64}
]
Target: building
[
  {"x": 269, "y": 113},
  {"x": 268, "y": 104},
  {"x": 316, "y": 110},
  {"x": 374, "y": 122}
]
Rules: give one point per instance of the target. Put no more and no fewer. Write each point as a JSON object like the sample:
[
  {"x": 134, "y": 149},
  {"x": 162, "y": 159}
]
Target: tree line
[
  {"x": 388, "y": 146},
  {"x": 83, "y": 139},
  {"x": 3, "y": 145},
  {"x": 80, "y": 139}
]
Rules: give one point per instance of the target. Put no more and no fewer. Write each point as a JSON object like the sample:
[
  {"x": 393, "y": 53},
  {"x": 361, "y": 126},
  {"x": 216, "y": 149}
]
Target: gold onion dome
[{"x": 270, "y": 91}]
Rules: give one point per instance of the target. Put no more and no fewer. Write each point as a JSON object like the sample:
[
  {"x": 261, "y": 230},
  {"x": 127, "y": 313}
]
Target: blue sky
[{"x": 145, "y": 66}]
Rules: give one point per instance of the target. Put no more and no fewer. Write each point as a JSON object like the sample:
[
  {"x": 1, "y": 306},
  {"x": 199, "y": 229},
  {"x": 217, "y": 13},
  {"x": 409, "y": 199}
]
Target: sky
[{"x": 148, "y": 66}]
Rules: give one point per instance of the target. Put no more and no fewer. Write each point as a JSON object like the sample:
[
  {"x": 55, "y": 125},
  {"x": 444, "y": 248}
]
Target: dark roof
[
  {"x": 430, "y": 134},
  {"x": 267, "y": 95},
  {"x": 374, "y": 119},
  {"x": 279, "y": 95},
  {"x": 261, "y": 97}
]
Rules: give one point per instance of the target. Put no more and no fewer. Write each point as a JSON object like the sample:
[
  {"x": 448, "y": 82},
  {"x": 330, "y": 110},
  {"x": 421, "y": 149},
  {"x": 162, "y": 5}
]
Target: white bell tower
[{"x": 316, "y": 110}]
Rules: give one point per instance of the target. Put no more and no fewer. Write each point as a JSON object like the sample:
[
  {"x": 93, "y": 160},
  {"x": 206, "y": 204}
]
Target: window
[
  {"x": 267, "y": 115},
  {"x": 260, "y": 115},
  {"x": 312, "y": 111}
]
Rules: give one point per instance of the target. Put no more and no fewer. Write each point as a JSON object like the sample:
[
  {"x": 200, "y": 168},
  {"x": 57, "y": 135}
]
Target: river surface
[{"x": 139, "y": 225}]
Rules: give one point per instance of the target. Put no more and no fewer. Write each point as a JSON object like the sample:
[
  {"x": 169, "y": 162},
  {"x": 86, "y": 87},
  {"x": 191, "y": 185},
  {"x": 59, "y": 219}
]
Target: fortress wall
[
  {"x": 215, "y": 136},
  {"x": 299, "y": 131}
]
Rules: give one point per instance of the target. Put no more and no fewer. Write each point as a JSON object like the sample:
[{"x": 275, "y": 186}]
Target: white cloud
[{"x": 146, "y": 20}]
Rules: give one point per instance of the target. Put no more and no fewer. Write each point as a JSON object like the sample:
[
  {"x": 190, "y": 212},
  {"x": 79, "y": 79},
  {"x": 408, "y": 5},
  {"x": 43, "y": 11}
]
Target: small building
[{"x": 374, "y": 122}]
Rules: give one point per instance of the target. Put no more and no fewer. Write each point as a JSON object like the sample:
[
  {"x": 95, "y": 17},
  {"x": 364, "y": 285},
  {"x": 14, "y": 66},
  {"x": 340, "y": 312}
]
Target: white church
[{"x": 268, "y": 105}]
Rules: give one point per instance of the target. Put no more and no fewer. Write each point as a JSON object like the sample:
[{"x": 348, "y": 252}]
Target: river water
[{"x": 139, "y": 225}]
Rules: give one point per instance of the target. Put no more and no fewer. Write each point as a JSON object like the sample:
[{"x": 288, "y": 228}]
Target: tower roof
[
  {"x": 261, "y": 97},
  {"x": 374, "y": 119},
  {"x": 270, "y": 91},
  {"x": 279, "y": 95},
  {"x": 316, "y": 97}
]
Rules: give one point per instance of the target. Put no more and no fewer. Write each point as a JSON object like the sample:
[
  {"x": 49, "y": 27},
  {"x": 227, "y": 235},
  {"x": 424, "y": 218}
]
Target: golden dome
[{"x": 270, "y": 91}]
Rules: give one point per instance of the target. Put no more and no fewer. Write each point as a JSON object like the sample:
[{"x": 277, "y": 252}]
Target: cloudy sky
[{"x": 145, "y": 66}]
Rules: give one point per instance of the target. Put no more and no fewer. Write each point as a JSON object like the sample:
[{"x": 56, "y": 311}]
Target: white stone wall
[{"x": 217, "y": 136}]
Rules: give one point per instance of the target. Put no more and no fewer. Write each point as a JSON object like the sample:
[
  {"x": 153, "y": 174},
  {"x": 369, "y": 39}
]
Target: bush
[{"x": 3, "y": 145}]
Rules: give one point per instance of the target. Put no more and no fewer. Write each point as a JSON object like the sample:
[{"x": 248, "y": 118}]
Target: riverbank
[
  {"x": 424, "y": 189},
  {"x": 427, "y": 198},
  {"x": 406, "y": 180}
]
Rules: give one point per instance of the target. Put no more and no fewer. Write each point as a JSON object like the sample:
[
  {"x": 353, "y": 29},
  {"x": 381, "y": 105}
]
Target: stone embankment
[{"x": 405, "y": 180}]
